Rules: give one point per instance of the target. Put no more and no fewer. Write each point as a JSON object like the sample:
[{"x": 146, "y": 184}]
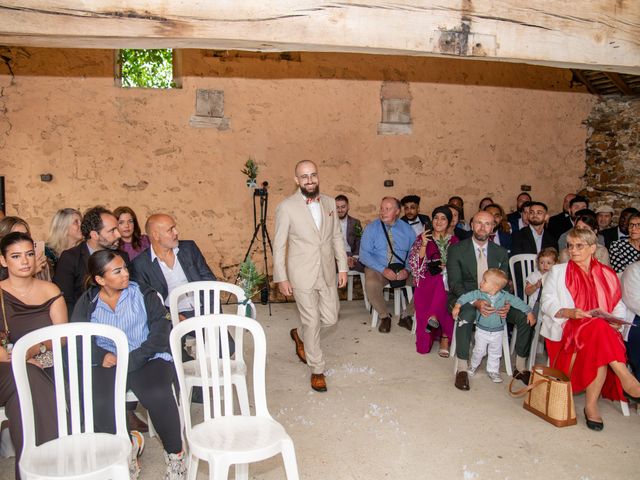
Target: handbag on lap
[{"x": 395, "y": 266}]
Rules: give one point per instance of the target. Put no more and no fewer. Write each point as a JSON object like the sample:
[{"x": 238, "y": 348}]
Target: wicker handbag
[{"x": 548, "y": 396}]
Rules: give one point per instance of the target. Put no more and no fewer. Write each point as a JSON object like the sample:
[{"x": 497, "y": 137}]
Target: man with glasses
[{"x": 307, "y": 244}]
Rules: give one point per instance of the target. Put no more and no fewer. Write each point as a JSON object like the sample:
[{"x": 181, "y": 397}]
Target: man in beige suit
[{"x": 308, "y": 234}]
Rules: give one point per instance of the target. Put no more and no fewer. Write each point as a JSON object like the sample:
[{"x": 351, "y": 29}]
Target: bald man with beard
[{"x": 307, "y": 245}]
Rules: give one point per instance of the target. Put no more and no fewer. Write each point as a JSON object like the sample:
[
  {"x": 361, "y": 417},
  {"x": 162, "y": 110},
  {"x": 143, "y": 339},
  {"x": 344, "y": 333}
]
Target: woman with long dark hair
[
  {"x": 27, "y": 304},
  {"x": 112, "y": 299},
  {"x": 132, "y": 240}
]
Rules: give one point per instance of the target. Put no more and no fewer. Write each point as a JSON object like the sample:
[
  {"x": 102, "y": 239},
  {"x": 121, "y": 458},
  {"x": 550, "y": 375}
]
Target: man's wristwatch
[{"x": 43, "y": 348}]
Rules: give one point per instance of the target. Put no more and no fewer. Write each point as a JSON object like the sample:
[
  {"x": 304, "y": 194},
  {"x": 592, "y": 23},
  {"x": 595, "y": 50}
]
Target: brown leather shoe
[
  {"x": 462, "y": 381},
  {"x": 134, "y": 423},
  {"x": 299, "y": 345},
  {"x": 385, "y": 325},
  {"x": 318, "y": 383}
]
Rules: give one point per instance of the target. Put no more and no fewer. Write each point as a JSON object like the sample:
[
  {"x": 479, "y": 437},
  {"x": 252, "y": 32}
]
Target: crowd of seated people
[{"x": 442, "y": 256}]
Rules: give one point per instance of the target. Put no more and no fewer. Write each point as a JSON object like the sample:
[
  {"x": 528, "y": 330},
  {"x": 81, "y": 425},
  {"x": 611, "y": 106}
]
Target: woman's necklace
[{"x": 22, "y": 293}]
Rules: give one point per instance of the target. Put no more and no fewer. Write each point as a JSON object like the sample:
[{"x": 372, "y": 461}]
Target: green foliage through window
[{"x": 146, "y": 68}]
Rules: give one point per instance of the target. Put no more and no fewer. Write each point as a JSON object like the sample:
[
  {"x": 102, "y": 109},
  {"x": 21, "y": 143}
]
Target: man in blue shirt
[{"x": 377, "y": 256}]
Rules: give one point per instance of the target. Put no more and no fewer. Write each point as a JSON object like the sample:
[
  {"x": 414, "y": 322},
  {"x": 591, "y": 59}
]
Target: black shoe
[
  {"x": 432, "y": 324},
  {"x": 462, "y": 381},
  {"x": 592, "y": 424},
  {"x": 385, "y": 325},
  {"x": 406, "y": 322},
  {"x": 524, "y": 376}
]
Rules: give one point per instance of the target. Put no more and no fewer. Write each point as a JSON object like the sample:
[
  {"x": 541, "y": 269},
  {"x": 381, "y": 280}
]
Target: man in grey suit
[
  {"x": 464, "y": 262},
  {"x": 307, "y": 244}
]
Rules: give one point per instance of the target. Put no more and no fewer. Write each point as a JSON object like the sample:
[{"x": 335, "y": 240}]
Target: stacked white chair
[
  {"x": 225, "y": 438},
  {"x": 78, "y": 452},
  {"x": 206, "y": 298}
]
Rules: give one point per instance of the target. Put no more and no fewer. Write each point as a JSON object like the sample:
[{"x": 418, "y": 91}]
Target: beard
[
  {"x": 536, "y": 222},
  {"x": 481, "y": 237},
  {"x": 310, "y": 194}
]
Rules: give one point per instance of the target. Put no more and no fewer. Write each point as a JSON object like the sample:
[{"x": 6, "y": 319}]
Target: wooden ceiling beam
[
  {"x": 599, "y": 35},
  {"x": 619, "y": 82}
]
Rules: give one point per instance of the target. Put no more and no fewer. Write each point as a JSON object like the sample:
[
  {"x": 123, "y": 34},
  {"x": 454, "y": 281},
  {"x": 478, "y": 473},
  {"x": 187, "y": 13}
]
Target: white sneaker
[
  {"x": 176, "y": 467},
  {"x": 471, "y": 371},
  {"x": 495, "y": 377}
]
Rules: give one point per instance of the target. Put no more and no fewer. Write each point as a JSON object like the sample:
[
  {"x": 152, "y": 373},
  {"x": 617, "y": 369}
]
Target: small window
[{"x": 146, "y": 68}]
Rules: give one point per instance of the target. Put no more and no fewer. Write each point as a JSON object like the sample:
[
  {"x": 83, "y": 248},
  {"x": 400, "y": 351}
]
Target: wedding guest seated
[
  {"x": 518, "y": 219},
  {"x": 588, "y": 221},
  {"x": 546, "y": 259},
  {"x": 428, "y": 260},
  {"x": 12, "y": 224},
  {"x": 458, "y": 203},
  {"x": 113, "y": 300},
  {"x": 576, "y": 299},
  {"x": 604, "y": 215},
  {"x": 592, "y": 223},
  {"x": 132, "y": 241},
  {"x": 561, "y": 222},
  {"x": 351, "y": 233},
  {"x": 502, "y": 230},
  {"x": 485, "y": 202},
  {"x": 384, "y": 252},
  {"x": 411, "y": 207},
  {"x": 630, "y": 281},
  {"x": 100, "y": 231},
  {"x": 27, "y": 305},
  {"x": 627, "y": 250},
  {"x": 454, "y": 229},
  {"x": 64, "y": 233},
  {"x": 622, "y": 230},
  {"x": 535, "y": 236}
]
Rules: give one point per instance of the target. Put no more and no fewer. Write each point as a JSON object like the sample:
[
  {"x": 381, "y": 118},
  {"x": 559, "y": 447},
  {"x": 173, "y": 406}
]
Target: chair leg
[
  {"x": 218, "y": 470},
  {"x": 452, "y": 347},
  {"x": 152, "y": 431},
  {"x": 243, "y": 397},
  {"x": 349, "y": 288},
  {"x": 624, "y": 406},
  {"x": 374, "y": 318},
  {"x": 398, "y": 299},
  {"x": 534, "y": 346},
  {"x": 242, "y": 471},
  {"x": 506, "y": 353},
  {"x": 289, "y": 459},
  {"x": 364, "y": 292},
  {"x": 514, "y": 334},
  {"x": 192, "y": 467}
]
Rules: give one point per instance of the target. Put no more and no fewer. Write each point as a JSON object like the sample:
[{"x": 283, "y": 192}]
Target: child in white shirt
[{"x": 547, "y": 258}]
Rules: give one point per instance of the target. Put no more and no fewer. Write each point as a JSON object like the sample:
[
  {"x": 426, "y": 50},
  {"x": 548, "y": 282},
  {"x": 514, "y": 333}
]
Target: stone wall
[
  {"x": 613, "y": 153},
  {"x": 477, "y": 128}
]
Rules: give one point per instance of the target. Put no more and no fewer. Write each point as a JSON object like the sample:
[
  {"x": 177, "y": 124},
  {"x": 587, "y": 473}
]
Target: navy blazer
[
  {"x": 505, "y": 239},
  {"x": 72, "y": 271},
  {"x": 352, "y": 239},
  {"x": 149, "y": 274},
  {"x": 522, "y": 241},
  {"x": 560, "y": 223}
]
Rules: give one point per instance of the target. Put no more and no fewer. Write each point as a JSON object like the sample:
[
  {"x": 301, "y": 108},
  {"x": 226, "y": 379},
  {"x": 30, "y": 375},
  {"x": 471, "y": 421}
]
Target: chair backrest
[
  {"x": 213, "y": 363},
  {"x": 527, "y": 265},
  {"x": 71, "y": 347}
]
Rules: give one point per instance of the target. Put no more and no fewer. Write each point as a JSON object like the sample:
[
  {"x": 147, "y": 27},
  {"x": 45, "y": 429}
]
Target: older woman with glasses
[
  {"x": 579, "y": 299},
  {"x": 625, "y": 251}
]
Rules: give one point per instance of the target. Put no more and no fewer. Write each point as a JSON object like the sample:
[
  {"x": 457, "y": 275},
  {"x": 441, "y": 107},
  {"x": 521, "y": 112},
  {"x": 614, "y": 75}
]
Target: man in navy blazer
[{"x": 169, "y": 262}]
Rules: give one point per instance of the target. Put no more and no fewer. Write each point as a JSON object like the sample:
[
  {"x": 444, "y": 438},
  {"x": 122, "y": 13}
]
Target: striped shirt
[{"x": 130, "y": 316}]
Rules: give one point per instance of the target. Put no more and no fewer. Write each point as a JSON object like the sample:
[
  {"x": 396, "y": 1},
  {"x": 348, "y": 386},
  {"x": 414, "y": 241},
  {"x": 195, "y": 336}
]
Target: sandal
[{"x": 444, "y": 347}]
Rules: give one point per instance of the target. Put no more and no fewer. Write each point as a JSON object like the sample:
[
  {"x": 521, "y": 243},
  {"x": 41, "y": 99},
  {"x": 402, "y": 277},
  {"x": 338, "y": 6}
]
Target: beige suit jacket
[{"x": 301, "y": 252}]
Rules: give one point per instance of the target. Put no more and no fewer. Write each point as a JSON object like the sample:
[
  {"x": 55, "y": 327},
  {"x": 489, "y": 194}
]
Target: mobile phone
[{"x": 38, "y": 246}]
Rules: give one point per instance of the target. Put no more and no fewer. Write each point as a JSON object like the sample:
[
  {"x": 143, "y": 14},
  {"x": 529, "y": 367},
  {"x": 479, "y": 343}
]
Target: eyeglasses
[
  {"x": 576, "y": 246},
  {"x": 634, "y": 225}
]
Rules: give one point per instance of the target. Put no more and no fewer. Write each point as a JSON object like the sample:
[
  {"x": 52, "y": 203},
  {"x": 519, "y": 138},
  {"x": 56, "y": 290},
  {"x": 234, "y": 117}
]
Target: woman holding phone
[
  {"x": 16, "y": 224},
  {"x": 428, "y": 258}
]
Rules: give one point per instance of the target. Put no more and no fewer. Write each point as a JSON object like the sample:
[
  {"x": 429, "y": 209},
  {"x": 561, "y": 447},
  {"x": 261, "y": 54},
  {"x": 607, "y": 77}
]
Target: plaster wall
[{"x": 479, "y": 129}]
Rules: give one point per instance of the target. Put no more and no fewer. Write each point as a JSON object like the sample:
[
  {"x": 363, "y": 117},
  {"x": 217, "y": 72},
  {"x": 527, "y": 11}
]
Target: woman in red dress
[{"x": 575, "y": 298}]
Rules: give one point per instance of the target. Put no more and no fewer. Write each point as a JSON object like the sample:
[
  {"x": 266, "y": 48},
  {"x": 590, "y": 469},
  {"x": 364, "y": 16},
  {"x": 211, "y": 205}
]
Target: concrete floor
[{"x": 393, "y": 414}]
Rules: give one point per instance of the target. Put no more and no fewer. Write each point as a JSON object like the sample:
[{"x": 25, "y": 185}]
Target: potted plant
[{"x": 251, "y": 171}]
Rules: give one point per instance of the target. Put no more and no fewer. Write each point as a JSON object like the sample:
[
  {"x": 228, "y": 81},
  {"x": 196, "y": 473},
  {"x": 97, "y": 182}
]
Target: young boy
[
  {"x": 546, "y": 259},
  {"x": 489, "y": 329}
]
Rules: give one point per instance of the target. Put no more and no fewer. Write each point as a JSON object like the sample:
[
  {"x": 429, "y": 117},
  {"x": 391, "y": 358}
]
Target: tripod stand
[{"x": 261, "y": 226}]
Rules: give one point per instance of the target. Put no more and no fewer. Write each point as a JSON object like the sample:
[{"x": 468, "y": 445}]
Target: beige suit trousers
[
  {"x": 318, "y": 307},
  {"x": 374, "y": 283}
]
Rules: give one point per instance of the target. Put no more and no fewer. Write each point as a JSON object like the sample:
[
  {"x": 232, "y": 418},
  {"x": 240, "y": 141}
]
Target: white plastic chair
[
  {"x": 528, "y": 265},
  {"x": 206, "y": 299},
  {"x": 399, "y": 303},
  {"x": 505, "y": 349},
  {"x": 78, "y": 452},
  {"x": 224, "y": 438},
  {"x": 350, "y": 275}
]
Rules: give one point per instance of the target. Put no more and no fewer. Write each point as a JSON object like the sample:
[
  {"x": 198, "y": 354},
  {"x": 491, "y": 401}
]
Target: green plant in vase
[
  {"x": 251, "y": 281},
  {"x": 251, "y": 171}
]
